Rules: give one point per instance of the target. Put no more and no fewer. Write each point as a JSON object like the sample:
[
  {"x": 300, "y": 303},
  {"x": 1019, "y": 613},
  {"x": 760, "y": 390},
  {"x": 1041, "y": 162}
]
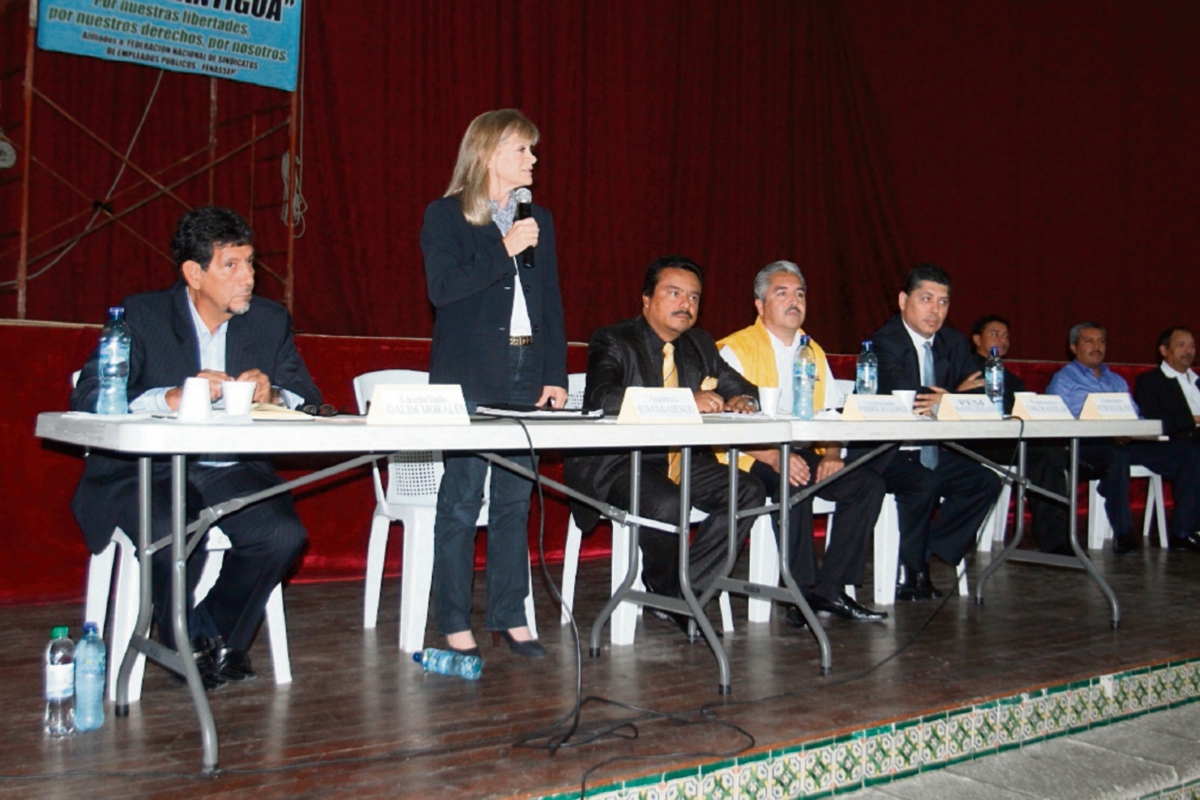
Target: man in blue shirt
[{"x": 1109, "y": 460}]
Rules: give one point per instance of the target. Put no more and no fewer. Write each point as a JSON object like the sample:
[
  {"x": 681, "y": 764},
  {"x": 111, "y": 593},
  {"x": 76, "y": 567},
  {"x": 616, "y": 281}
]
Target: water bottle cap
[
  {"x": 417, "y": 657},
  {"x": 90, "y": 627},
  {"x": 995, "y": 351},
  {"x": 59, "y": 632},
  {"x": 866, "y": 345},
  {"x": 116, "y": 311},
  {"x": 805, "y": 339}
]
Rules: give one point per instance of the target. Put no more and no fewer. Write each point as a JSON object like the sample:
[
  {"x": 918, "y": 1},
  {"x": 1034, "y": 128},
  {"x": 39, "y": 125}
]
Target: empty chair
[{"x": 408, "y": 497}]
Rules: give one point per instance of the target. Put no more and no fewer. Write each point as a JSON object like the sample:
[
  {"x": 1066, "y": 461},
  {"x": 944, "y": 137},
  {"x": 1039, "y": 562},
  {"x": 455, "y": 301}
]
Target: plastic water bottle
[
  {"x": 804, "y": 380},
  {"x": 60, "y": 683},
  {"x": 444, "y": 662},
  {"x": 114, "y": 364},
  {"x": 993, "y": 379},
  {"x": 866, "y": 371},
  {"x": 89, "y": 680}
]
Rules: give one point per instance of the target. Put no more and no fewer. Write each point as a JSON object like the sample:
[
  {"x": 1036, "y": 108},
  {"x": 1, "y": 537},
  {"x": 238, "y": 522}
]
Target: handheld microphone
[{"x": 524, "y": 199}]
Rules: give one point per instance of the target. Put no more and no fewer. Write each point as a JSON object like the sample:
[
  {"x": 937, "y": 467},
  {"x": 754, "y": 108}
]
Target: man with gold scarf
[{"x": 764, "y": 353}]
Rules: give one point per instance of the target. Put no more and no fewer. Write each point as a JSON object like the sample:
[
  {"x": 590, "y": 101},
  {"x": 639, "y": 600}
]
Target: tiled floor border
[{"x": 877, "y": 755}]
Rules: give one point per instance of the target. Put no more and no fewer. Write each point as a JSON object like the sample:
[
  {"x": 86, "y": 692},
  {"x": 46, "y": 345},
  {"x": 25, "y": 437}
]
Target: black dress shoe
[
  {"x": 681, "y": 621},
  {"x": 530, "y": 648},
  {"x": 1191, "y": 543},
  {"x": 796, "y": 619},
  {"x": 843, "y": 606},
  {"x": 202, "y": 651},
  {"x": 232, "y": 665},
  {"x": 1123, "y": 545},
  {"x": 917, "y": 587}
]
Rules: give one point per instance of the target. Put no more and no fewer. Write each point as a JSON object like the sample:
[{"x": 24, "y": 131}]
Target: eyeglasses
[{"x": 325, "y": 410}]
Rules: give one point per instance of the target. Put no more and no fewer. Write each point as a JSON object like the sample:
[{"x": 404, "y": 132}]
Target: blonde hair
[{"x": 470, "y": 179}]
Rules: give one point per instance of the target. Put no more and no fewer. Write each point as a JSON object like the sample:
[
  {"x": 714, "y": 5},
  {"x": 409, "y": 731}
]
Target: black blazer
[
  {"x": 163, "y": 351},
  {"x": 898, "y": 366},
  {"x": 630, "y": 354},
  {"x": 469, "y": 277},
  {"x": 1160, "y": 397}
]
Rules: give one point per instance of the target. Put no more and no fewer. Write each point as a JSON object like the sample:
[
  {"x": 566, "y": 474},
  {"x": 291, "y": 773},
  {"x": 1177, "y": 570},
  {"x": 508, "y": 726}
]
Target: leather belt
[{"x": 520, "y": 341}]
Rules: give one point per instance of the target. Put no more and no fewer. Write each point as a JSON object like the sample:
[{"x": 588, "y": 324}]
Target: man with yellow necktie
[{"x": 662, "y": 348}]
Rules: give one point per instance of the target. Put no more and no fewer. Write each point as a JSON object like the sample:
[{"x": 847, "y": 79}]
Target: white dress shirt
[{"x": 1187, "y": 381}]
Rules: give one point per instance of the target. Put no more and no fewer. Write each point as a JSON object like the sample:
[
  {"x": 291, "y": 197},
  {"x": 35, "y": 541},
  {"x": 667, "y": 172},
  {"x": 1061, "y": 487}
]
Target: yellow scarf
[{"x": 753, "y": 348}]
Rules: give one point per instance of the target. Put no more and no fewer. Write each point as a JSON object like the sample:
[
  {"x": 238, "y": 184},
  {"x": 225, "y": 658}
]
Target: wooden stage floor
[{"x": 360, "y": 719}]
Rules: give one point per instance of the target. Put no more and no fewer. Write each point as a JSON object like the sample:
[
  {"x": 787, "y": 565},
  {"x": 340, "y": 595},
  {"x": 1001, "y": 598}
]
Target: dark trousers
[
  {"x": 267, "y": 537},
  {"x": 660, "y": 500},
  {"x": 460, "y": 497},
  {"x": 859, "y": 496},
  {"x": 967, "y": 491},
  {"x": 1109, "y": 462}
]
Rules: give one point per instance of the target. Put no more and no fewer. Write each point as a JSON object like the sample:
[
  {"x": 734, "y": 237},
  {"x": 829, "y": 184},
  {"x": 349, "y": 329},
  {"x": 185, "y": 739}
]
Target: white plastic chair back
[{"x": 413, "y": 478}]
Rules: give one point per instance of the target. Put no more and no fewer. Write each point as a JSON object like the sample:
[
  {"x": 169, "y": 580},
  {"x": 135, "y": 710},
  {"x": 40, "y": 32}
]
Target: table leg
[
  {"x": 1073, "y": 523},
  {"x": 635, "y": 498},
  {"x": 141, "y": 629},
  {"x": 785, "y": 566},
  {"x": 1018, "y": 533},
  {"x": 685, "y": 577},
  {"x": 179, "y": 611}
]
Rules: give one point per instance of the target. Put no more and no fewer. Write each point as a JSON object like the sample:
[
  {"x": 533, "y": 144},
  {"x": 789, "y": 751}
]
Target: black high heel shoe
[{"x": 530, "y": 648}]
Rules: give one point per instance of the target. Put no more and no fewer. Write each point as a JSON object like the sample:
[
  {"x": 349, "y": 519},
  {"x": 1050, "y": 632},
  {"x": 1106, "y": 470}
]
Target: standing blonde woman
[{"x": 499, "y": 334}]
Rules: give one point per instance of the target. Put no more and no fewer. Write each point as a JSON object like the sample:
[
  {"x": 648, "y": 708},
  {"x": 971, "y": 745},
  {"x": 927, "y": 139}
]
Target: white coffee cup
[
  {"x": 768, "y": 400},
  {"x": 239, "y": 396},
  {"x": 907, "y": 396},
  {"x": 195, "y": 403}
]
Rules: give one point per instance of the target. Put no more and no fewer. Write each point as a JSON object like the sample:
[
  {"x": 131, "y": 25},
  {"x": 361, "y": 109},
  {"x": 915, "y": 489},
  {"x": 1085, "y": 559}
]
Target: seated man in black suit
[
  {"x": 661, "y": 348},
  {"x": 207, "y": 325},
  {"x": 988, "y": 332},
  {"x": 1171, "y": 394},
  {"x": 916, "y": 352}
]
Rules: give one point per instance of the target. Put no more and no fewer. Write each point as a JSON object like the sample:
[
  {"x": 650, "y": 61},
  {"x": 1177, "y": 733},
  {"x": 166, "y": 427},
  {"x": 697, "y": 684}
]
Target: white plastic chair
[
  {"x": 411, "y": 499},
  {"x": 126, "y": 601},
  {"x": 887, "y": 554},
  {"x": 1099, "y": 528},
  {"x": 995, "y": 525}
]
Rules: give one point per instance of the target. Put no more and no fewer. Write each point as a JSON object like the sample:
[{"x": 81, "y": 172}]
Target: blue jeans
[{"x": 460, "y": 498}]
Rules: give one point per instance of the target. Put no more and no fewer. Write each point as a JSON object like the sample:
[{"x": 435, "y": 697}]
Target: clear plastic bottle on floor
[
  {"x": 90, "y": 661},
  {"x": 444, "y": 662},
  {"x": 60, "y": 683}
]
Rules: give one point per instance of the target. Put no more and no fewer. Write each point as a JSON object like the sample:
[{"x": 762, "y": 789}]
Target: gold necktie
[{"x": 671, "y": 381}]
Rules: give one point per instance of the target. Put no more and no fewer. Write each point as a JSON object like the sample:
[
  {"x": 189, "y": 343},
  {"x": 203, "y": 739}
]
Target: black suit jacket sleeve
[{"x": 1159, "y": 397}]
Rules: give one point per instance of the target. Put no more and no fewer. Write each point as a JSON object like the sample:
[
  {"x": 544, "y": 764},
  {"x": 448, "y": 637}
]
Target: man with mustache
[
  {"x": 207, "y": 325},
  {"x": 662, "y": 348},
  {"x": 764, "y": 353},
  {"x": 1108, "y": 460},
  {"x": 917, "y": 352}
]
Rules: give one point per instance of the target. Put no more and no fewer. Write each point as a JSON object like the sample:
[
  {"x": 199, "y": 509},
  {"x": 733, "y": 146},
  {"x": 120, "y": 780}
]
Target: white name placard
[
  {"x": 876, "y": 407},
  {"x": 1108, "y": 405},
  {"x": 649, "y": 404},
  {"x": 412, "y": 404},
  {"x": 1041, "y": 406},
  {"x": 967, "y": 407}
]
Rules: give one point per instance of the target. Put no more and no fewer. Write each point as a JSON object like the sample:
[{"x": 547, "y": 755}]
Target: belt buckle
[{"x": 520, "y": 341}]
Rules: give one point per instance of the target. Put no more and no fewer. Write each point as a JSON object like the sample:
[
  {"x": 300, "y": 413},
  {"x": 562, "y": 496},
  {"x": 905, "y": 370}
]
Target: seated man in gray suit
[{"x": 207, "y": 325}]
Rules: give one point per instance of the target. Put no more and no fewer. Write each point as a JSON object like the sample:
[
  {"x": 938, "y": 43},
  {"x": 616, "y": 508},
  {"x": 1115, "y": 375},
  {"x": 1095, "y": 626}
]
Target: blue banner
[{"x": 255, "y": 41}]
